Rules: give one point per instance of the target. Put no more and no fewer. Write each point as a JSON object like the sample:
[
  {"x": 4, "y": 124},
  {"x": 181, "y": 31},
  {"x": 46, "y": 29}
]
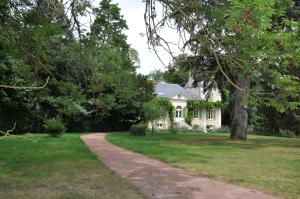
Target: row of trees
[{"x": 88, "y": 70}]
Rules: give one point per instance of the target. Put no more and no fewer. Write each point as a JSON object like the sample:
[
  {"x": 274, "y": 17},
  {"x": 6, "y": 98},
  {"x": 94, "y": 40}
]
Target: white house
[{"x": 180, "y": 97}]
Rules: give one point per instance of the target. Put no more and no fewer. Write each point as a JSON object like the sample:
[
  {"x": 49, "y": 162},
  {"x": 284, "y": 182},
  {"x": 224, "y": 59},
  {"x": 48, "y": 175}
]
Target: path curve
[{"x": 159, "y": 180}]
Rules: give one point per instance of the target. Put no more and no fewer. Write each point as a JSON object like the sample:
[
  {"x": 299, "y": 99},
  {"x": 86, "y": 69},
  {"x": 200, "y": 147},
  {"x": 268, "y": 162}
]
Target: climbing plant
[
  {"x": 193, "y": 105},
  {"x": 188, "y": 117},
  {"x": 166, "y": 103},
  {"x": 202, "y": 104}
]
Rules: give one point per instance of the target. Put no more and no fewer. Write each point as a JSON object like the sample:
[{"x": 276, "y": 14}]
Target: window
[
  {"x": 211, "y": 114},
  {"x": 210, "y": 127},
  {"x": 178, "y": 112},
  {"x": 196, "y": 113},
  {"x": 159, "y": 123}
]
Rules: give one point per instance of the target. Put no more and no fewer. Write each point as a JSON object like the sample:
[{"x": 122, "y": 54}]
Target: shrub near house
[{"x": 138, "y": 129}]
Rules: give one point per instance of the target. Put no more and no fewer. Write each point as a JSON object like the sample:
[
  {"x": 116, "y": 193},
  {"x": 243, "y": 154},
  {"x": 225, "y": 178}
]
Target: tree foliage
[
  {"x": 252, "y": 46},
  {"x": 155, "y": 110},
  {"x": 91, "y": 71},
  {"x": 167, "y": 105},
  {"x": 176, "y": 72}
]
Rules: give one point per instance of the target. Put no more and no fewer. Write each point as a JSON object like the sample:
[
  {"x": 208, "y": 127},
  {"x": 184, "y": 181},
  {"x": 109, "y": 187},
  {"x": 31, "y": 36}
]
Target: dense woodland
[{"x": 89, "y": 72}]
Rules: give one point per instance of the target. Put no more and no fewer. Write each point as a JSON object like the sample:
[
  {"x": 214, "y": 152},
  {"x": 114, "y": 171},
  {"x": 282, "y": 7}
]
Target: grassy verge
[
  {"x": 56, "y": 168},
  {"x": 271, "y": 164}
]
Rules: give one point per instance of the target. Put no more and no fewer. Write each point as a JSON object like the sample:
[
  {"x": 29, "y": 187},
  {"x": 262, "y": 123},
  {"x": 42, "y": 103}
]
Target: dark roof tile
[{"x": 166, "y": 90}]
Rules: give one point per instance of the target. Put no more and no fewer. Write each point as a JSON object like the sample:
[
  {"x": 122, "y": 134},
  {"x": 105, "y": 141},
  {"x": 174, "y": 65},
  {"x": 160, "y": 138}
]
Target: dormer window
[{"x": 179, "y": 96}]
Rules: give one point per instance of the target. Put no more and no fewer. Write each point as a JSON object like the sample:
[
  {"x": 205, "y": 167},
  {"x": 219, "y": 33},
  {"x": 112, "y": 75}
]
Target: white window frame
[
  {"x": 211, "y": 114},
  {"x": 159, "y": 123},
  {"x": 178, "y": 112},
  {"x": 196, "y": 113}
]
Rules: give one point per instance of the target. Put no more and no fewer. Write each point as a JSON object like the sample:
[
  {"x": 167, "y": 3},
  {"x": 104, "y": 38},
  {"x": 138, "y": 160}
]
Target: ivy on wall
[
  {"x": 201, "y": 104},
  {"x": 188, "y": 118},
  {"x": 166, "y": 103}
]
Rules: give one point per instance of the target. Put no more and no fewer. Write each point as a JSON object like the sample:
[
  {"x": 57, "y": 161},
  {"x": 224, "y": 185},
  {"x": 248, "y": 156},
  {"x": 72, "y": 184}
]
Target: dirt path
[{"x": 159, "y": 180}]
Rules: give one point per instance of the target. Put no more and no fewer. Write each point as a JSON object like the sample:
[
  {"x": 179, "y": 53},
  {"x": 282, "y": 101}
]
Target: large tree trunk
[
  {"x": 152, "y": 127},
  {"x": 240, "y": 110}
]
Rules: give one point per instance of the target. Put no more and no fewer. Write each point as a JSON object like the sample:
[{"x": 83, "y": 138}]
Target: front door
[{"x": 179, "y": 114}]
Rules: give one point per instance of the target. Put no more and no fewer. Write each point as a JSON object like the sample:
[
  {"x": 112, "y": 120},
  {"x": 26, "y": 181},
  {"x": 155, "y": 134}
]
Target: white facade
[{"x": 204, "y": 119}]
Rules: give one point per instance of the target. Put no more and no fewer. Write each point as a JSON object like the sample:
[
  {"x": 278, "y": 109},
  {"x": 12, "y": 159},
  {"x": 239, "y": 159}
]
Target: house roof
[{"x": 166, "y": 90}]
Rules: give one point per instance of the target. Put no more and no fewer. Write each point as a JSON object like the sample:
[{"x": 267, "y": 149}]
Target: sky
[{"x": 133, "y": 12}]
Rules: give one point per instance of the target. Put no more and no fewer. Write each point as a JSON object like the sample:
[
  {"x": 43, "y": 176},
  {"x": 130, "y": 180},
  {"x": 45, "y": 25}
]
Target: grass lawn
[
  {"x": 56, "y": 168},
  {"x": 270, "y": 164}
]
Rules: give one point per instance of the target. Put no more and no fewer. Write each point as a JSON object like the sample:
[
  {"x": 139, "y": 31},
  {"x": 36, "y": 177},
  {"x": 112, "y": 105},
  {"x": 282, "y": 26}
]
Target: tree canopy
[
  {"x": 176, "y": 72},
  {"x": 252, "y": 46},
  {"x": 90, "y": 73}
]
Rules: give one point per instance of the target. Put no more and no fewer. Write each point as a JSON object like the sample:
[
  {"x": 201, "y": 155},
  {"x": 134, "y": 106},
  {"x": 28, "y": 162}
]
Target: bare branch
[
  {"x": 25, "y": 87},
  {"x": 152, "y": 26},
  {"x": 7, "y": 133}
]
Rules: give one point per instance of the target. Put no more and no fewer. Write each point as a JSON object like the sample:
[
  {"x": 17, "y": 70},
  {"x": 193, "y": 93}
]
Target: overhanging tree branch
[
  {"x": 25, "y": 87},
  {"x": 7, "y": 133}
]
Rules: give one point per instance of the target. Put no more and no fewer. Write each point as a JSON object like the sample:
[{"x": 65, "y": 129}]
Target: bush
[
  {"x": 196, "y": 127},
  {"x": 138, "y": 129},
  {"x": 188, "y": 119},
  {"x": 173, "y": 130},
  {"x": 287, "y": 133},
  {"x": 54, "y": 127}
]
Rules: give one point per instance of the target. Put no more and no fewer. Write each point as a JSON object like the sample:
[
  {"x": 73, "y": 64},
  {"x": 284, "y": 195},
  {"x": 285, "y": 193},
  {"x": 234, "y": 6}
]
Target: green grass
[
  {"x": 56, "y": 168},
  {"x": 270, "y": 164}
]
